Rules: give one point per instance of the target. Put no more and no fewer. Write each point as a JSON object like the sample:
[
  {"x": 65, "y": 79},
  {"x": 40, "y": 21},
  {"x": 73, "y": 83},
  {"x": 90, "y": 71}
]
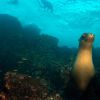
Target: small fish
[
  {"x": 24, "y": 59},
  {"x": 20, "y": 62},
  {"x": 15, "y": 70},
  {"x": 47, "y": 5}
]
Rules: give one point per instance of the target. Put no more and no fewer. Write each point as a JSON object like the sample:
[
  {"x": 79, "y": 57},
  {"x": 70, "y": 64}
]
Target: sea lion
[
  {"x": 84, "y": 82},
  {"x": 83, "y": 68}
]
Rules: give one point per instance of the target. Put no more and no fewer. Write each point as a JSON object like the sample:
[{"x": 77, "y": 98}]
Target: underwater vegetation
[{"x": 34, "y": 67}]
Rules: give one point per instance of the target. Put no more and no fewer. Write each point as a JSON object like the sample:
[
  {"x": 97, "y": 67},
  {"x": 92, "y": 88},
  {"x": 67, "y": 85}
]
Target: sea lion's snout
[
  {"x": 87, "y": 37},
  {"x": 90, "y": 37}
]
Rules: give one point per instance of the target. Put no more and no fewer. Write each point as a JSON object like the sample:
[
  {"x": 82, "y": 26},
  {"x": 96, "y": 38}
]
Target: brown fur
[{"x": 83, "y": 69}]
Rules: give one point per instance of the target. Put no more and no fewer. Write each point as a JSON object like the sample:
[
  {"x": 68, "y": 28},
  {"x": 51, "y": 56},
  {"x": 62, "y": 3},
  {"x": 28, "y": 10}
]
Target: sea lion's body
[
  {"x": 83, "y": 69},
  {"x": 84, "y": 83}
]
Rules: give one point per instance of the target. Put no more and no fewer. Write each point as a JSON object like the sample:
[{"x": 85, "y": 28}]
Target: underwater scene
[{"x": 49, "y": 50}]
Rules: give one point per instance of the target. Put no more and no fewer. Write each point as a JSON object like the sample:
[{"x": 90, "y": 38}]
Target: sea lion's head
[{"x": 86, "y": 40}]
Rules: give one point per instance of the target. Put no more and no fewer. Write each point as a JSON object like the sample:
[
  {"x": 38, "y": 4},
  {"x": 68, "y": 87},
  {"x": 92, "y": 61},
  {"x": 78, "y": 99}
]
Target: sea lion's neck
[
  {"x": 85, "y": 54},
  {"x": 84, "y": 57}
]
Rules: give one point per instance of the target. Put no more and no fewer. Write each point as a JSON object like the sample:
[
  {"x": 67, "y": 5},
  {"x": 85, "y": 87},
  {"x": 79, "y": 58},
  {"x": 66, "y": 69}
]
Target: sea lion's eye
[{"x": 83, "y": 37}]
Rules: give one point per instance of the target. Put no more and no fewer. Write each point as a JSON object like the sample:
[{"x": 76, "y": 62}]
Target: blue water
[
  {"x": 69, "y": 19},
  {"x": 38, "y": 44}
]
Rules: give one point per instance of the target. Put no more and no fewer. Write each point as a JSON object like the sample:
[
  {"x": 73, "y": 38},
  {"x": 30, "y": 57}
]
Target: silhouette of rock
[
  {"x": 10, "y": 34},
  {"x": 10, "y": 27}
]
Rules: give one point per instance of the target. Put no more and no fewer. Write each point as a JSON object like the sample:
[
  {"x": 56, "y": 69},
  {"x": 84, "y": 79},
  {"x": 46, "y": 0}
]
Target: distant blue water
[{"x": 64, "y": 19}]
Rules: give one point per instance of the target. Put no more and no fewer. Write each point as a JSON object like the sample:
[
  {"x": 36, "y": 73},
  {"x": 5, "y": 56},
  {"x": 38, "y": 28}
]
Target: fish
[{"x": 47, "y": 5}]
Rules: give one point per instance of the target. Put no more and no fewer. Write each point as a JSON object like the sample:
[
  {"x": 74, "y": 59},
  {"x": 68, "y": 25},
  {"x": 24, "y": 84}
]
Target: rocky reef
[
  {"x": 32, "y": 65},
  {"x": 27, "y": 51},
  {"x": 23, "y": 87}
]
